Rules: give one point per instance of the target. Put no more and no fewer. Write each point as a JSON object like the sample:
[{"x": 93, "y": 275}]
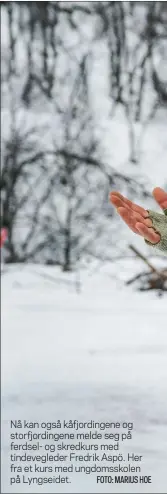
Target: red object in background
[{"x": 3, "y": 236}]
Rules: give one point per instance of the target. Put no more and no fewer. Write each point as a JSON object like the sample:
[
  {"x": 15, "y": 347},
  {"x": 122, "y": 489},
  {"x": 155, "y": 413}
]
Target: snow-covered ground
[{"x": 99, "y": 354}]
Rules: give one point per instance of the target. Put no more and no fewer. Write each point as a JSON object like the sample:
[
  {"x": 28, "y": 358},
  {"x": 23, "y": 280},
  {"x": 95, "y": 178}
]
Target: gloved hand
[{"x": 149, "y": 224}]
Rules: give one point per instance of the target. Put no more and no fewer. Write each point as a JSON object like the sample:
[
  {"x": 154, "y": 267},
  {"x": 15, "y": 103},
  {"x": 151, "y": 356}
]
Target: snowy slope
[{"x": 97, "y": 354}]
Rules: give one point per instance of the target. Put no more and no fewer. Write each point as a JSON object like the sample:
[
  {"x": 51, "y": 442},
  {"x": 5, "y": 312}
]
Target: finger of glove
[
  {"x": 148, "y": 233},
  {"x": 117, "y": 198},
  {"x": 119, "y": 203},
  {"x": 161, "y": 197},
  {"x": 128, "y": 218}
]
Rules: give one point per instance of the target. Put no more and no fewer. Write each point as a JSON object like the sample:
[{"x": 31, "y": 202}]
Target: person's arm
[{"x": 150, "y": 225}]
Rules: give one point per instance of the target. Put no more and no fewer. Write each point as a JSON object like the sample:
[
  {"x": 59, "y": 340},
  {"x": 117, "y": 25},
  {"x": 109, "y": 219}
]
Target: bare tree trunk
[
  {"x": 132, "y": 143},
  {"x": 67, "y": 246}
]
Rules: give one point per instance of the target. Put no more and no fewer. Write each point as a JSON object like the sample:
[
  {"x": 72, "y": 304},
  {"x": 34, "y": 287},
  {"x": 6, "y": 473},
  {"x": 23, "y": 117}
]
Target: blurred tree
[
  {"x": 132, "y": 31},
  {"x": 21, "y": 152},
  {"x": 58, "y": 186}
]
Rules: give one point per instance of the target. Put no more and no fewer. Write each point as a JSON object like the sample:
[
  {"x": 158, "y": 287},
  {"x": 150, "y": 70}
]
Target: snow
[{"x": 98, "y": 354}]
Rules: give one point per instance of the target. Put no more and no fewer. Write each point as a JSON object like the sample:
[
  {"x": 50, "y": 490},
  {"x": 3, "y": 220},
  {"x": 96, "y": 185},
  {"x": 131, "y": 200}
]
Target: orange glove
[{"x": 3, "y": 236}]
